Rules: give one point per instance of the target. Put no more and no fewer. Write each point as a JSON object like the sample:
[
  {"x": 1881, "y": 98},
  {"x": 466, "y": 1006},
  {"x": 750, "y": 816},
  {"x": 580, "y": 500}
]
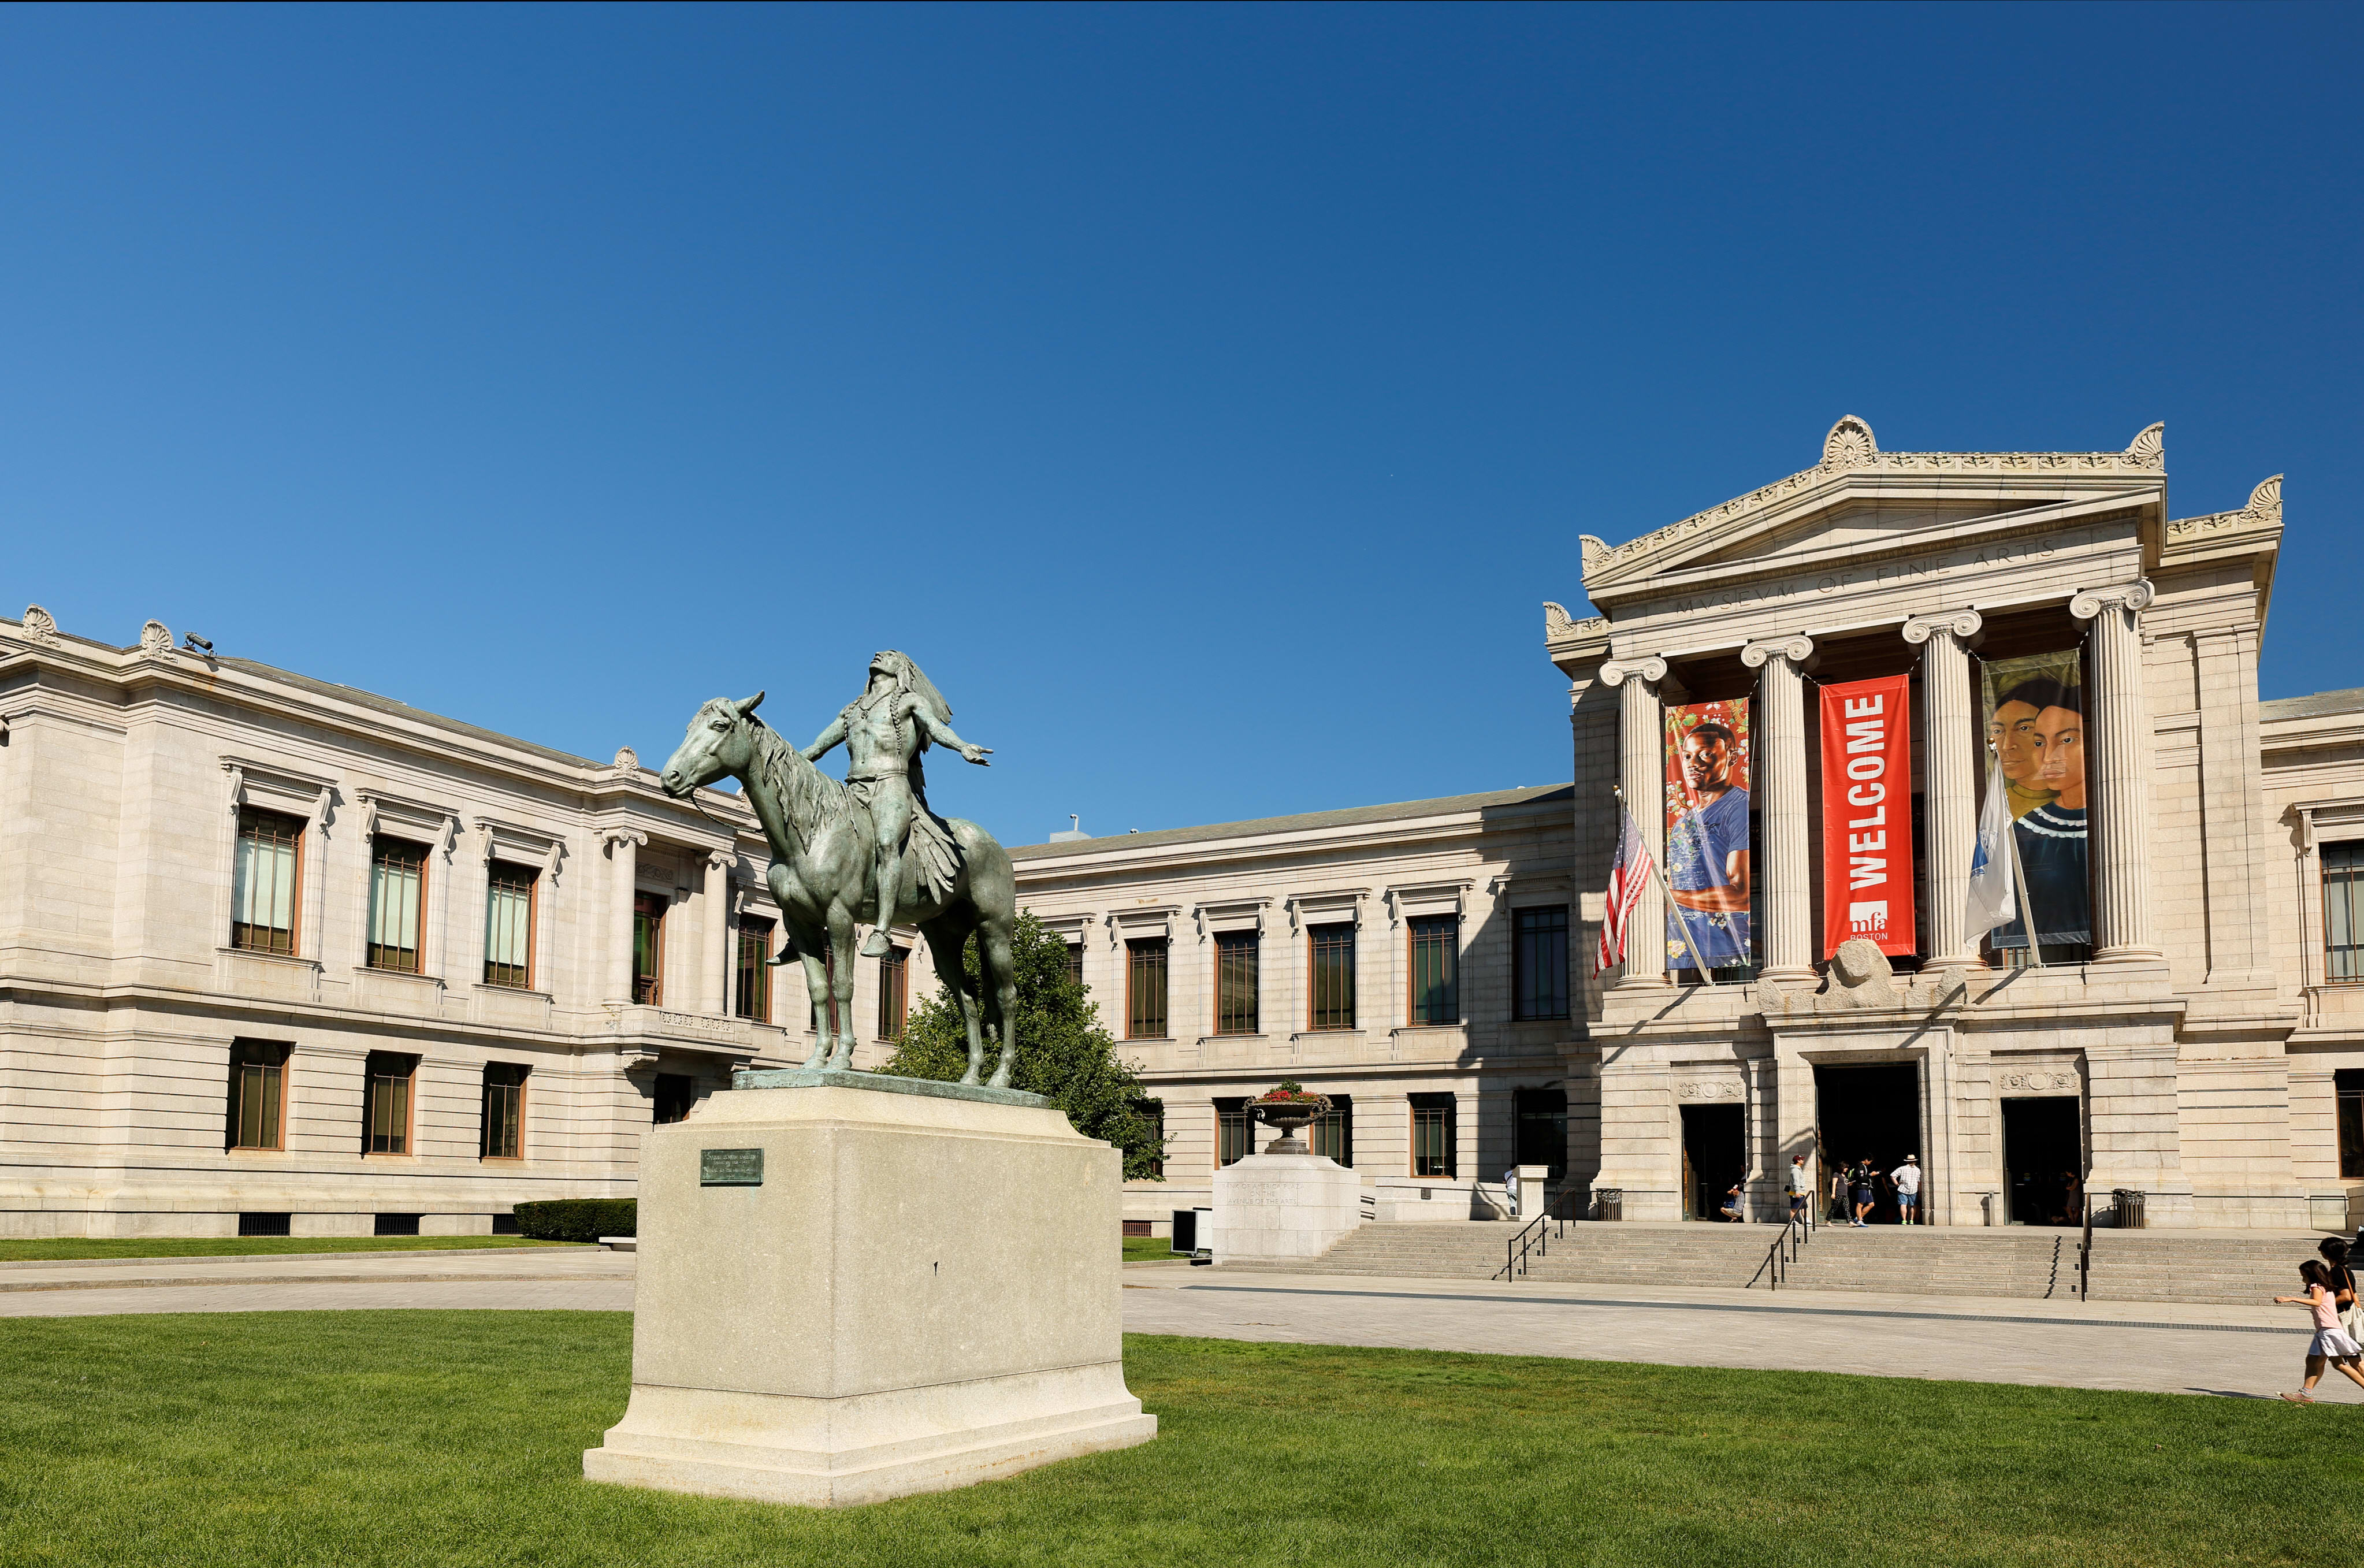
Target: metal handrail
[
  {"x": 1775, "y": 1270},
  {"x": 2085, "y": 1254},
  {"x": 1533, "y": 1237}
]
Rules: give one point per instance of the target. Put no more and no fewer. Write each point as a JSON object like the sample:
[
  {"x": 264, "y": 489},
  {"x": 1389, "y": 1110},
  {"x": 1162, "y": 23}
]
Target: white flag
[{"x": 1991, "y": 903}]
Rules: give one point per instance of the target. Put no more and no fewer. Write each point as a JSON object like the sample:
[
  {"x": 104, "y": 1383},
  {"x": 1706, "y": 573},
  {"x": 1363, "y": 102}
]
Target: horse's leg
[
  {"x": 840, "y": 958},
  {"x": 946, "y": 937},
  {"x": 816, "y": 988},
  {"x": 998, "y": 971}
]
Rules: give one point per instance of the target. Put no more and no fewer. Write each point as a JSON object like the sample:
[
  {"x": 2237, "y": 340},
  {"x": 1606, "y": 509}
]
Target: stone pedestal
[
  {"x": 853, "y": 1288},
  {"x": 1284, "y": 1205}
]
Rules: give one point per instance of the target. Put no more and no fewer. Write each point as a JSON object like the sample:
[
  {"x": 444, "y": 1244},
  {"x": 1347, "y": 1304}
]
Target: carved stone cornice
[
  {"x": 2264, "y": 511},
  {"x": 2135, "y": 595},
  {"x": 1963, "y": 623},
  {"x": 1650, "y": 667},
  {"x": 1796, "y": 650},
  {"x": 1851, "y": 448},
  {"x": 1559, "y": 626}
]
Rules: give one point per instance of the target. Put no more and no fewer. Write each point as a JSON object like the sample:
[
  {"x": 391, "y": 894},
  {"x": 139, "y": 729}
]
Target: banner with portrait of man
[
  {"x": 1708, "y": 780},
  {"x": 2034, "y": 718}
]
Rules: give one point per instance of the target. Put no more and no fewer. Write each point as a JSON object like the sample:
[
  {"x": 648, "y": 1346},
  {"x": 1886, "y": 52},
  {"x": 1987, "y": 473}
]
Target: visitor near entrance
[
  {"x": 1736, "y": 1201},
  {"x": 1866, "y": 1183},
  {"x": 2331, "y": 1343},
  {"x": 1801, "y": 1187},
  {"x": 1906, "y": 1180}
]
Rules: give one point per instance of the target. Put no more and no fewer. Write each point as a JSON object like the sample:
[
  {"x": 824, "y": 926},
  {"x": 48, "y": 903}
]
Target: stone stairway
[{"x": 2015, "y": 1261}]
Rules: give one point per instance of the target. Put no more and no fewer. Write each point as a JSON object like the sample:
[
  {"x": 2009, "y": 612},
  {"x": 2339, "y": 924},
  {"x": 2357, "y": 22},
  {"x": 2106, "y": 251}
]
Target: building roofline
[{"x": 1302, "y": 822}]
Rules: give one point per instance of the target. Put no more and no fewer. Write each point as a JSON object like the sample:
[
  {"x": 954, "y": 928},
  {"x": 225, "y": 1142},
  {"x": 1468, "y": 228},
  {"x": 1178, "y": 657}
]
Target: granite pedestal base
[
  {"x": 1284, "y": 1205},
  {"x": 848, "y": 1295}
]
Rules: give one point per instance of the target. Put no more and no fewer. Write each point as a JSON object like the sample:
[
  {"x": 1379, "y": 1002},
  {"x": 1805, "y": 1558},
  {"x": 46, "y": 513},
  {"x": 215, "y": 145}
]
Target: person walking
[
  {"x": 1865, "y": 1181},
  {"x": 1838, "y": 1195},
  {"x": 2342, "y": 1287},
  {"x": 2331, "y": 1343},
  {"x": 1906, "y": 1180},
  {"x": 1801, "y": 1187}
]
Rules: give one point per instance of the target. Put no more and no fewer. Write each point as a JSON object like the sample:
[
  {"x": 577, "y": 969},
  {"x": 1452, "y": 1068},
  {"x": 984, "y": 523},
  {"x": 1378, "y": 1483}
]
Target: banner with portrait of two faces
[
  {"x": 2034, "y": 717},
  {"x": 1706, "y": 794},
  {"x": 1867, "y": 814}
]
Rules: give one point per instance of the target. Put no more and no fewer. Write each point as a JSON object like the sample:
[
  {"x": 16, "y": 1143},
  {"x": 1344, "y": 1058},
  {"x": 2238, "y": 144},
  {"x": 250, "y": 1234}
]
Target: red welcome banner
[{"x": 1867, "y": 814}]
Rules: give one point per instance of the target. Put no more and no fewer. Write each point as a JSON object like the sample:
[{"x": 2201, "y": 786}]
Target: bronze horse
[{"x": 824, "y": 875}]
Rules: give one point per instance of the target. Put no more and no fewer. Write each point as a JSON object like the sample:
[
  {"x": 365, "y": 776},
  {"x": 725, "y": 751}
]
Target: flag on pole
[
  {"x": 1991, "y": 903},
  {"x": 1631, "y": 873}
]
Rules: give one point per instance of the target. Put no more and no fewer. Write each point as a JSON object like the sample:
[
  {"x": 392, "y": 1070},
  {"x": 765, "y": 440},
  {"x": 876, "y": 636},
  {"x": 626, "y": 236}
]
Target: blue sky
[{"x": 1225, "y": 387}]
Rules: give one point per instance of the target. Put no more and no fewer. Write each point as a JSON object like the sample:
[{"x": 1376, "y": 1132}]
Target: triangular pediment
[{"x": 1859, "y": 494}]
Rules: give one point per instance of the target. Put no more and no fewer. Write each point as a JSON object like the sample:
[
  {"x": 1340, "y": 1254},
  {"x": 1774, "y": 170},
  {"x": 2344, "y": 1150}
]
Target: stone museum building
[{"x": 278, "y": 956}]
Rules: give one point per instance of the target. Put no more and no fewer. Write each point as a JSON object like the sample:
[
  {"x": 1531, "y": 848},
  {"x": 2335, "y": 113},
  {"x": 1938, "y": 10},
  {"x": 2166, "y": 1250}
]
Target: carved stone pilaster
[{"x": 2117, "y": 749}]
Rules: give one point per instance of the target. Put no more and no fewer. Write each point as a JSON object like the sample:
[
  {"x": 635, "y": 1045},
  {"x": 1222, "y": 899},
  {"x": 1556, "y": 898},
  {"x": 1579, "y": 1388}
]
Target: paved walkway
[{"x": 2243, "y": 1351}]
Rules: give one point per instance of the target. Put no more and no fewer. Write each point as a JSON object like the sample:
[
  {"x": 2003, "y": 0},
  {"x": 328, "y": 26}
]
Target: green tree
[{"x": 1063, "y": 1054}]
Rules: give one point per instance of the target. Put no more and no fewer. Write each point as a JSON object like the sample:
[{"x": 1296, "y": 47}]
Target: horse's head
[{"x": 720, "y": 740}]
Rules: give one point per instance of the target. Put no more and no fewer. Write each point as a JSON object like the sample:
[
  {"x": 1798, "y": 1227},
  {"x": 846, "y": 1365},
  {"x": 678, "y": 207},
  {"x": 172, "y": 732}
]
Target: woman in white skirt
[{"x": 2331, "y": 1341}]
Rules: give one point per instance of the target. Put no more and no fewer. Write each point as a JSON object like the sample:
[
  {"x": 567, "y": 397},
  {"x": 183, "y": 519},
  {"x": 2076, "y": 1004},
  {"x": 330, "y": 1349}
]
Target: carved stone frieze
[
  {"x": 2040, "y": 1081},
  {"x": 1711, "y": 1089}
]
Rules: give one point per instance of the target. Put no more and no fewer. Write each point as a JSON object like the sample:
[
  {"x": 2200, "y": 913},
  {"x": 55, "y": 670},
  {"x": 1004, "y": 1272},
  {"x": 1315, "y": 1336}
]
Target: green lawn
[
  {"x": 357, "y": 1438},
  {"x": 231, "y": 1246},
  {"x": 1143, "y": 1248}
]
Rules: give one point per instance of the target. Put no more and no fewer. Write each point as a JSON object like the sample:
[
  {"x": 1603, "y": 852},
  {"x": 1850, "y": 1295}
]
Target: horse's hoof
[{"x": 969, "y": 1079}]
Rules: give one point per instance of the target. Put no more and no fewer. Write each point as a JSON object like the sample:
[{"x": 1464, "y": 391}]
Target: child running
[{"x": 2331, "y": 1342}]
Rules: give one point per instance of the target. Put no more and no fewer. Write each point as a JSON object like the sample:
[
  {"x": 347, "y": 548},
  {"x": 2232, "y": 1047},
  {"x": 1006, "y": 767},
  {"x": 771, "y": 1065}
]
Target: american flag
[{"x": 1627, "y": 877}]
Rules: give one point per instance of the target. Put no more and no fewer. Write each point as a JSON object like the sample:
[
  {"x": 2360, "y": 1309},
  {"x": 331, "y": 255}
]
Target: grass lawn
[
  {"x": 67, "y": 1247},
  {"x": 454, "y": 1438},
  {"x": 1145, "y": 1249}
]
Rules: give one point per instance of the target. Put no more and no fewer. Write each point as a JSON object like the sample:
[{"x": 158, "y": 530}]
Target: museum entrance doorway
[
  {"x": 1871, "y": 1112},
  {"x": 2043, "y": 1150},
  {"x": 1715, "y": 1155}
]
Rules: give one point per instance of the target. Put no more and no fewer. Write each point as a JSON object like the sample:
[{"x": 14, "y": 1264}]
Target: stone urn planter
[{"x": 1289, "y": 1114}]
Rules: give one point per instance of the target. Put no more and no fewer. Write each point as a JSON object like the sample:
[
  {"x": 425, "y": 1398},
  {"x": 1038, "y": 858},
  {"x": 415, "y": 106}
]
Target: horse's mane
[{"x": 811, "y": 798}]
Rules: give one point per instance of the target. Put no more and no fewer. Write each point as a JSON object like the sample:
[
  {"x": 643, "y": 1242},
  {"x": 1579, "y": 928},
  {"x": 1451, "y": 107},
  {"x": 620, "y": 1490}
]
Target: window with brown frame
[
  {"x": 894, "y": 976},
  {"x": 1539, "y": 962},
  {"x": 676, "y": 1092},
  {"x": 1236, "y": 991},
  {"x": 754, "y": 970},
  {"x": 1435, "y": 969},
  {"x": 1331, "y": 950},
  {"x": 1075, "y": 962},
  {"x": 1333, "y": 1132},
  {"x": 1434, "y": 1135},
  {"x": 1144, "y": 988},
  {"x": 509, "y": 925},
  {"x": 648, "y": 948},
  {"x": 266, "y": 879},
  {"x": 397, "y": 897},
  {"x": 1155, "y": 1111},
  {"x": 258, "y": 1095},
  {"x": 504, "y": 1125},
  {"x": 385, "y": 1103},
  {"x": 1234, "y": 1131},
  {"x": 2343, "y": 911}
]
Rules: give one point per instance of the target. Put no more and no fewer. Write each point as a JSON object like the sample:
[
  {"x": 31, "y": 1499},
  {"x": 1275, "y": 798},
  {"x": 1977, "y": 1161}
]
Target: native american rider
[{"x": 885, "y": 730}]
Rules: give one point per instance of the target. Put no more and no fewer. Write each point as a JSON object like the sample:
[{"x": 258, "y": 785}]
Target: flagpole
[{"x": 1674, "y": 909}]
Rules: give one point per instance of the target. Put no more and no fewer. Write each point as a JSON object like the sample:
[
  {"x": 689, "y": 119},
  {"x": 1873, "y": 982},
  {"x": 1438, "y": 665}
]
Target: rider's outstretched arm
[
  {"x": 833, "y": 736},
  {"x": 942, "y": 734}
]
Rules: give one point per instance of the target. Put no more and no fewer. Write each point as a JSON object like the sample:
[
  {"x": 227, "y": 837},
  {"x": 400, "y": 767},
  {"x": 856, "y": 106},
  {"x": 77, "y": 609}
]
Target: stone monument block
[
  {"x": 1284, "y": 1205},
  {"x": 855, "y": 1287}
]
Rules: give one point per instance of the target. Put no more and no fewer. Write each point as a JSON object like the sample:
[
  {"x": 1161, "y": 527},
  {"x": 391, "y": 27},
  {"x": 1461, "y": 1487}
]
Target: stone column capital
[
  {"x": 2135, "y": 595},
  {"x": 1649, "y": 666},
  {"x": 1963, "y": 623},
  {"x": 615, "y": 836},
  {"x": 1797, "y": 650},
  {"x": 721, "y": 859}
]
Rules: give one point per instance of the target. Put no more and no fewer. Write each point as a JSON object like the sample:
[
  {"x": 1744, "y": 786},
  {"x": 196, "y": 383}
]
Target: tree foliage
[{"x": 1063, "y": 1054}]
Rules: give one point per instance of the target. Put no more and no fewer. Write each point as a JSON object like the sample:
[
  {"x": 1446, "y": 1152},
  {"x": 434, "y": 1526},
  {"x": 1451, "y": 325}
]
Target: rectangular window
[
  {"x": 398, "y": 889},
  {"x": 2343, "y": 911},
  {"x": 504, "y": 1136},
  {"x": 1235, "y": 982},
  {"x": 1332, "y": 990},
  {"x": 258, "y": 1095},
  {"x": 1234, "y": 1131},
  {"x": 385, "y": 1104},
  {"x": 648, "y": 948},
  {"x": 894, "y": 996},
  {"x": 2347, "y": 1083},
  {"x": 1144, "y": 988},
  {"x": 754, "y": 987},
  {"x": 1436, "y": 969},
  {"x": 263, "y": 880},
  {"x": 1155, "y": 1111},
  {"x": 675, "y": 1093},
  {"x": 1075, "y": 962},
  {"x": 1434, "y": 1135},
  {"x": 1539, "y": 963},
  {"x": 1541, "y": 1131},
  {"x": 1333, "y": 1133},
  {"x": 508, "y": 926}
]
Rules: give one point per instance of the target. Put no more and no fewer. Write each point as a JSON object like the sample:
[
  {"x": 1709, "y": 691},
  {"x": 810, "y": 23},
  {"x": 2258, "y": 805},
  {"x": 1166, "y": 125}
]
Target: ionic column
[
  {"x": 1788, "y": 942},
  {"x": 1949, "y": 762},
  {"x": 714, "y": 988},
  {"x": 1641, "y": 728},
  {"x": 2117, "y": 748},
  {"x": 624, "y": 860}
]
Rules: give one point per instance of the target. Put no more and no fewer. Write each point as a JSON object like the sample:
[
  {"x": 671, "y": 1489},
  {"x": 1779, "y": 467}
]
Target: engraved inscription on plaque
[{"x": 730, "y": 1167}]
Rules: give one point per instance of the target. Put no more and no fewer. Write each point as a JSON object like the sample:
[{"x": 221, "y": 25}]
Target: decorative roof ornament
[
  {"x": 156, "y": 640},
  {"x": 1596, "y": 549},
  {"x": 1556, "y": 620},
  {"x": 1849, "y": 445},
  {"x": 2266, "y": 501},
  {"x": 2149, "y": 449},
  {"x": 627, "y": 760},
  {"x": 40, "y": 626}
]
